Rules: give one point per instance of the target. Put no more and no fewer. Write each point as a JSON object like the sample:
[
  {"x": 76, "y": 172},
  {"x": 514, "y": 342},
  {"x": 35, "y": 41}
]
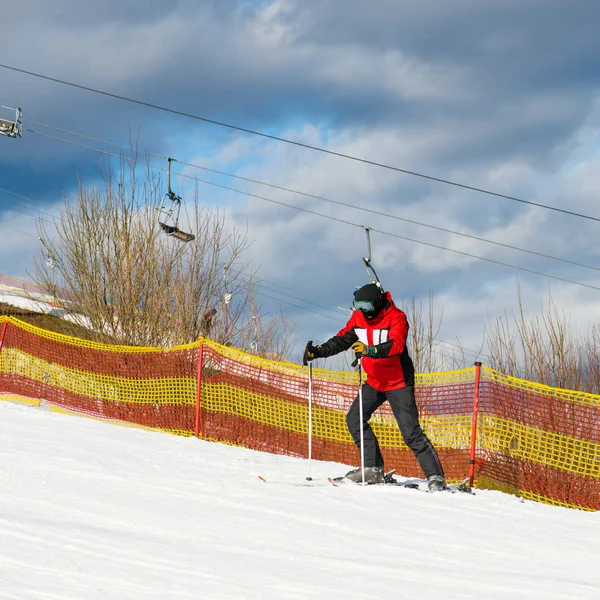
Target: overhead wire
[
  {"x": 20, "y": 209},
  {"x": 337, "y": 318},
  {"x": 297, "y": 306},
  {"x": 299, "y": 144},
  {"x": 312, "y": 212},
  {"x": 316, "y": 197},
  {"x": 337, "y": 313},
  {"x": 34, "y": 200},
  {"x": 261, "y": 285},
  {"x": 25, "y": 232}
]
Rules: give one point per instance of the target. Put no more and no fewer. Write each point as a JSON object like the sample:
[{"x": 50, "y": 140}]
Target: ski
[
  {"x": 308, "y": 483},
  {"x": 388, "y": 479},
  {"x": 411, "y": 484},
  {"x": 421, "y": 486}
]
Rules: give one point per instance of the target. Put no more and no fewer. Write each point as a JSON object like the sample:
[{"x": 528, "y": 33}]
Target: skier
[
  {"x": 377, "y": 332},
  {"x": 206, "y": 322}
]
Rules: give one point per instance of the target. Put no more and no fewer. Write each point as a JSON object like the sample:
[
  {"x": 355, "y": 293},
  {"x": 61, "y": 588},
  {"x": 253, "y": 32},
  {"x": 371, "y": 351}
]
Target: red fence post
[
  {"x": 199, "y": 388},
  {"x": 474, "y": 423},
  {"x": 3, "y": 334}
]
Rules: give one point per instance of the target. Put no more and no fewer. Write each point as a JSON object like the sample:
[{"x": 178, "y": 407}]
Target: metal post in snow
[
  {"x": 227, "y": 299},
  {"x": 199, "y": 388},
  {"x": 310, "y": 431},
  {"x": 362, "y": 425},
  {"x": 474, "y": 423}
]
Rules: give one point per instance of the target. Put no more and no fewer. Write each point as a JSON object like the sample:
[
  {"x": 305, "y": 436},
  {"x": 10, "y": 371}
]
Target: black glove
[{"x": 311, "y": 352}]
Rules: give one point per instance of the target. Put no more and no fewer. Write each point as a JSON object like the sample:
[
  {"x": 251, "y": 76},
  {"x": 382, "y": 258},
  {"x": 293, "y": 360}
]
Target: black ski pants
[{"x": 402, "y": 402}]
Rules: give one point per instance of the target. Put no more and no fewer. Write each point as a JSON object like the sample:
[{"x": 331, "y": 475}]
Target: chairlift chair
[
  {"x": 10, "y": 121},
  {"x": 169, "y": 209}
]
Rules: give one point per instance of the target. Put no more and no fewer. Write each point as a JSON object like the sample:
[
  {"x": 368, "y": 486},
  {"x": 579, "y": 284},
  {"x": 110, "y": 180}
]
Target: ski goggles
[{"x": 364, "y": 305}]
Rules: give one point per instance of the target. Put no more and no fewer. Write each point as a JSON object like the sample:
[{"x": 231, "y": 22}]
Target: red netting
[{"x": 539, "y": 442}]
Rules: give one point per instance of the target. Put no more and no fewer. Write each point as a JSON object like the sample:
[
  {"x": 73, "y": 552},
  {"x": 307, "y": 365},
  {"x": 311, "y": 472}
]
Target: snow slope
[{"x": 91, "y": 510}]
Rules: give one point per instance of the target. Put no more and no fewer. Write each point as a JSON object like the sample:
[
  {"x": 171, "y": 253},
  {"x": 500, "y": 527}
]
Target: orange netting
[{"x": 539, "y": 442}]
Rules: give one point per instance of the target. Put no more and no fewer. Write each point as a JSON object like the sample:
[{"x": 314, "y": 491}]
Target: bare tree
[
  {"x": 267, "y": 336},
  {"x": 545, "y": 348},
  {"x": 423, "y": 332},
  {"x": 109, "y": 261}
]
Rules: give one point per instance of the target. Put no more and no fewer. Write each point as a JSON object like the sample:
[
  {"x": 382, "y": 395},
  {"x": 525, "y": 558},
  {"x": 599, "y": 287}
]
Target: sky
[
  {"x": 89, "y": 509},
  {"x": 501, "y": 96}
]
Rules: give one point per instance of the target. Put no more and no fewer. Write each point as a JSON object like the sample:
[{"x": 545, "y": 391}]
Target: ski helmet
[{"x": 369, "y": 300}]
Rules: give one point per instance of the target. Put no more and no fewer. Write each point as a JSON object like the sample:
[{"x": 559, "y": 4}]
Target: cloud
[{"x": 498, "y": 95}]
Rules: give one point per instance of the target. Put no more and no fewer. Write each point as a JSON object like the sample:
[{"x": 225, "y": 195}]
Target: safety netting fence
[{"x": 504, "y": 433}]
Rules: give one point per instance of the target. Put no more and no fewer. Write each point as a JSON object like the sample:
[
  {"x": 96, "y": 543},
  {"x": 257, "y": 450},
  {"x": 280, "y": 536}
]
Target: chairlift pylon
[
  {"x": 11, "y": 122},
  {"x": 169, "y": 209}
]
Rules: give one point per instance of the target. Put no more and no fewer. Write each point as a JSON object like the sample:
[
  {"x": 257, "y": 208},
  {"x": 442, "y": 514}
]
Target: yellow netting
[{"x": 542, "y": 443}]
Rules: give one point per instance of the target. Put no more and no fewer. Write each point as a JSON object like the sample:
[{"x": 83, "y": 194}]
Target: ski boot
[
  {"x": 372, "y": 475},
  {"x": 436, "y": 483}
]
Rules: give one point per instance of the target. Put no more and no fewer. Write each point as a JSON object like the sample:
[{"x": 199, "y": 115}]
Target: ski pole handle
[{"x": 358, "y": 357}]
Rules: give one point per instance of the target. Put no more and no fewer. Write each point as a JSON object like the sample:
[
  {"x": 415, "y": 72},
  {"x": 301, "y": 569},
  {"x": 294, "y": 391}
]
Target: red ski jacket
[{"x": 393, "y": 368}]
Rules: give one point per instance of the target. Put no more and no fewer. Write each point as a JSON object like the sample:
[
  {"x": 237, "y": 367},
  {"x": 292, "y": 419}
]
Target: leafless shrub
[
  {"x": 423, "y": 333},
  {"x": 109, "y": 261},
  {"x": 545, "y": 348}
]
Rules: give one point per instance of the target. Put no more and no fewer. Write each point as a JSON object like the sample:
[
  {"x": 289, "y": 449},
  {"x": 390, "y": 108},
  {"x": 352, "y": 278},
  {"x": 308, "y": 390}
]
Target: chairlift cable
[
  {"x": 24, "y": 232},
  {"x": 260, "y": 284},
  {"x": 315, "y": 197},
  {"x": 28, "y": 200},
  {"x": 303, "y": 145},
  {"x": 308, "y": 211}
]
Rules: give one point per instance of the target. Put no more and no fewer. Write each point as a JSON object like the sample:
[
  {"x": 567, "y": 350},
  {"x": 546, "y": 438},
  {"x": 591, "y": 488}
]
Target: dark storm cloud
[
  {"x": 503, "y": 39},
  {"x": 511, "y": 55},
  {"x": 469, "y": 66}
]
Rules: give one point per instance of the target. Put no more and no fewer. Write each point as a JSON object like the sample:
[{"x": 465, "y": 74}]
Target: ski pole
[
  {"x": 360, "y": 411},
  {"x": 308, "y": 477}
]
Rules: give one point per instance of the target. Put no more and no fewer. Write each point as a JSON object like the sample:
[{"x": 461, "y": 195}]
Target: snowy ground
[{"x": 90, "y": 510}]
